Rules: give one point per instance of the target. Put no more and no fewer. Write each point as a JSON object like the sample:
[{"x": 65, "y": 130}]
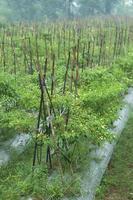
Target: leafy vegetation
[
  {"x": 69, "y": 79},
  {"x": 87, "y": 121},
  {"x": 17, "y": 181}
]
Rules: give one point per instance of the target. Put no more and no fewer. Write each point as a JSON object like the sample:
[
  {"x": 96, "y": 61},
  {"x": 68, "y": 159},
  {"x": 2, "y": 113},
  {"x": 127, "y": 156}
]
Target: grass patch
[{"x": 117, "y": 183}]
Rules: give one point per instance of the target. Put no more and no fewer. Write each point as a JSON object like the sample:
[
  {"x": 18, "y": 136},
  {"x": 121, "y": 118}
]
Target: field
[{"x": 62, "y": 83}]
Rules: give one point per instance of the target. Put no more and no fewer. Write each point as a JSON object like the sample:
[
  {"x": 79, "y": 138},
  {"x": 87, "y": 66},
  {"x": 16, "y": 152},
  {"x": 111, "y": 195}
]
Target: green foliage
[
  {"x": 84, "y": 109},
  {"x": 19, "y": 101},
  {"x": 95, "y": 107},
  {"x": 17, "y": 181}
]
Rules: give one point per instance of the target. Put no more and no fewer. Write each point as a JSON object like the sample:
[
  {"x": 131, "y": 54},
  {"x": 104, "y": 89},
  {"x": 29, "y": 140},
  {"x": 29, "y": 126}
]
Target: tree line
[{"x": 18, "y": 10}]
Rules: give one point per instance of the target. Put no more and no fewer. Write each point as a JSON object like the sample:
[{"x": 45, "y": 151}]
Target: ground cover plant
[
  {"x": 117, "y": 182},
  {"x": 69, "y": 79}
]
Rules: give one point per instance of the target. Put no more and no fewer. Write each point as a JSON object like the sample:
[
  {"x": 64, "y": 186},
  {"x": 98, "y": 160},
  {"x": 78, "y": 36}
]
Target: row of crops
[
  {"x": 85, "y": 43},
  {"x": 62, "y": 77}
]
